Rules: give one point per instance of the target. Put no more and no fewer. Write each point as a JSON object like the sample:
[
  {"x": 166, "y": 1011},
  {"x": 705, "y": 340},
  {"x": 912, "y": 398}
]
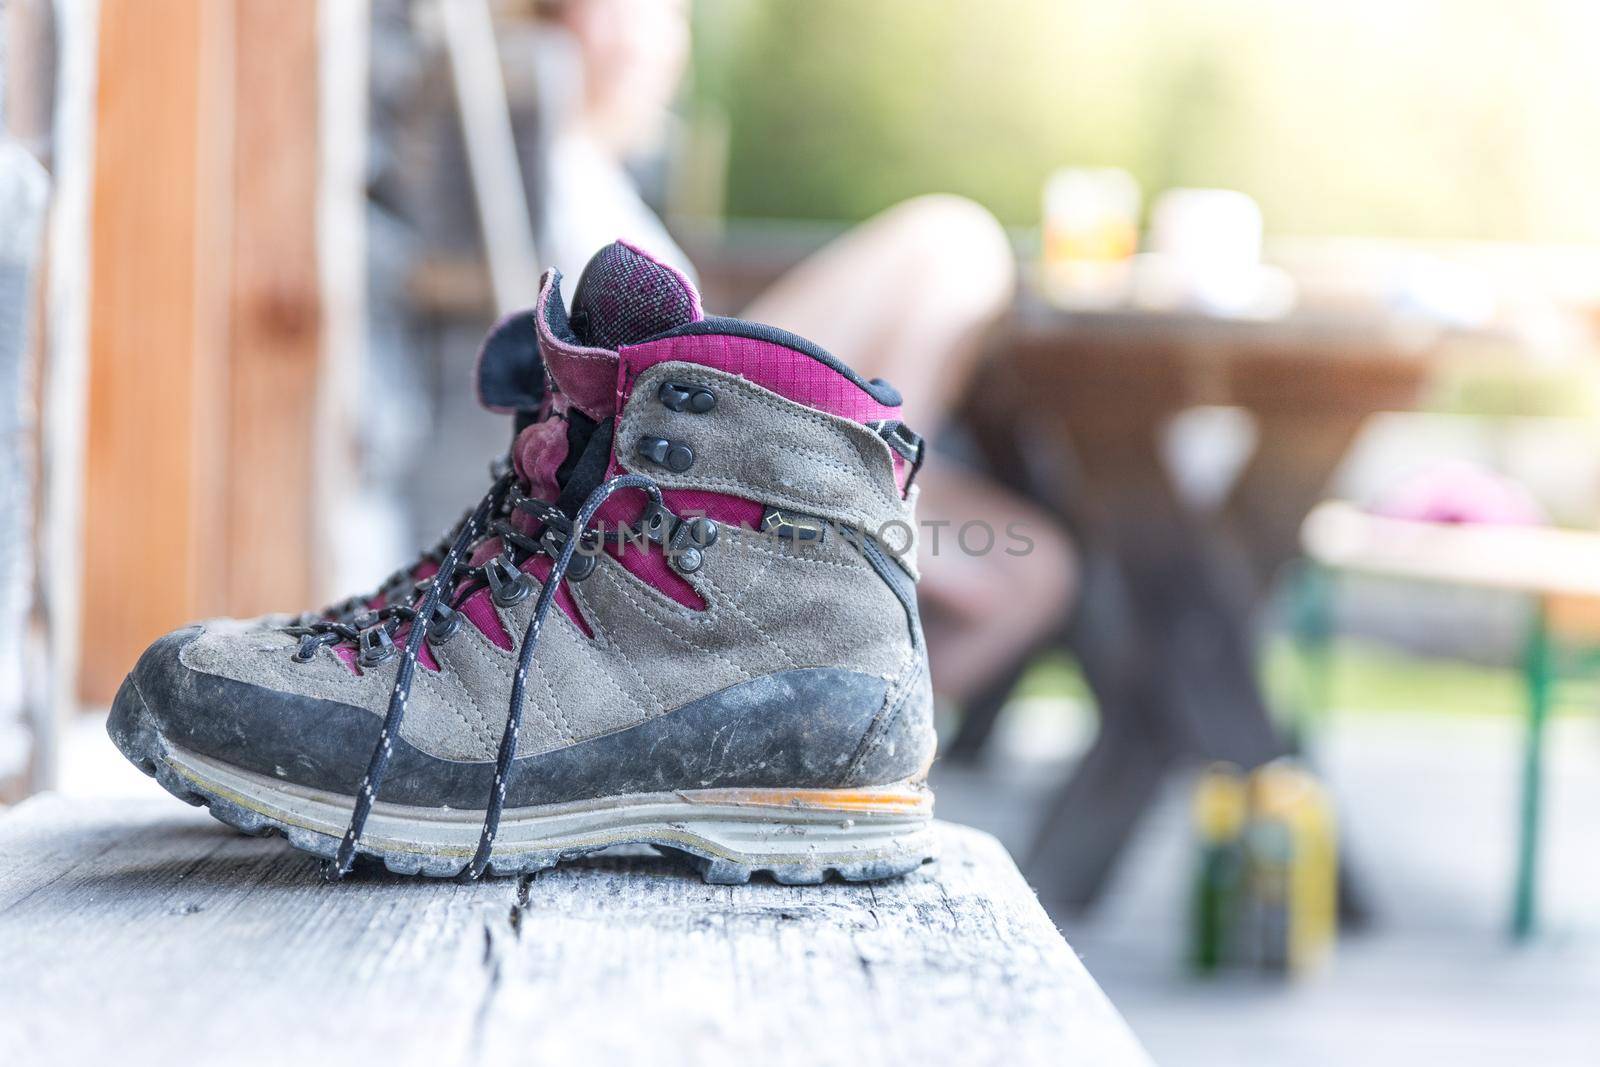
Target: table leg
[
  {"x": 1093, "y": 815},
  {"x": 1164, "y": 631},
  {"x": 1087, "y": 824},
  {"x": 1541, "y": 678},
  {"x": 1163, "y": 638},
  {"x": 1286, "y": 476},
  {"x": 981, "y": 714}
]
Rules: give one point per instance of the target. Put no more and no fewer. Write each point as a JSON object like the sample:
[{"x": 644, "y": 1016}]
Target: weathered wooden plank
[{"x": 143, "y": 932}]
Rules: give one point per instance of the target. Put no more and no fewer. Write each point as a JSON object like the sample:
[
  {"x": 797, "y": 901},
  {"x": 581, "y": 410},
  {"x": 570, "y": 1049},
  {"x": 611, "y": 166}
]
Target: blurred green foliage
[
  {"x": 1412, "y": 118},
  {"x": 1364, "y": 677}
]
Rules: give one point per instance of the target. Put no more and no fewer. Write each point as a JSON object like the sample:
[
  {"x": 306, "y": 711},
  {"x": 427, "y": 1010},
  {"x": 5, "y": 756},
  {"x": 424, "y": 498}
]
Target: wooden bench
[
  {"x": 137, "y": 932},
  {"x": 1557, "y": 570}
]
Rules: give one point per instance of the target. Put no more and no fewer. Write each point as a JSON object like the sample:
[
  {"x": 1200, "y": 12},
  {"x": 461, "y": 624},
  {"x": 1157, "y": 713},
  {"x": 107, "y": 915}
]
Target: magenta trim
[
  {"x": 538, "y": 453},
  {"x": 586, "y": 375},
  {"x": 479, "y": 610},
  {"x": 772, "y": 366}
]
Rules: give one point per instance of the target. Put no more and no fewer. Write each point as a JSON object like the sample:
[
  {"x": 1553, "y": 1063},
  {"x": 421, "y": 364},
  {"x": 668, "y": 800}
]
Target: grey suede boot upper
[{"x": 757, "y": 629}]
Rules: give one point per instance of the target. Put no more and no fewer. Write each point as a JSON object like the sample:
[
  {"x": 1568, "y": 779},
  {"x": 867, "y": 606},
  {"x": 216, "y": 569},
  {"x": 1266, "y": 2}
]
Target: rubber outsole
[{"x": 727, "y": 844}]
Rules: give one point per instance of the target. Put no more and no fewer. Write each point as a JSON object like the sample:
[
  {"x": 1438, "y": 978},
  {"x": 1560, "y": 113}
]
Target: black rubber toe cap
[{"x": 317, "y": 743}]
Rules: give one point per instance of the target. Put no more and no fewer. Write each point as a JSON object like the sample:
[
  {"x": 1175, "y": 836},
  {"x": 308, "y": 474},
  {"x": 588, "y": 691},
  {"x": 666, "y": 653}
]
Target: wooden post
[
  {"x": 275, "y": 331},
  {"x": 145, "y": 528},
  {"x": 205, "y": 323}
]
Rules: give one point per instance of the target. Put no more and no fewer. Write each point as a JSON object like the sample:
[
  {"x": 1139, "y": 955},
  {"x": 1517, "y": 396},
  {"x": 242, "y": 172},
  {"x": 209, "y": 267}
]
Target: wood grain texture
[
  {"x": 146, "y": 335},
  {"x": 275, "y": 319},
  {"x": 206, "y": 321},
  {"x": 141, "y": 933}
]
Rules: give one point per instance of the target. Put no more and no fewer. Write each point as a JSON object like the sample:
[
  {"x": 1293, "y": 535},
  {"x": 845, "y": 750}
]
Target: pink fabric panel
[
  {"x": 586, "y": 375},
  {"x": 347, "y": 653},
  {"x": 538, "y": 454},
  {"x": 772, "y": 366},
  {"x": 728, "y": 510},
  {"x": 540, "y": 567},
  {"x": 479, "y": 610},
  {"x": 649, "y": 566}
]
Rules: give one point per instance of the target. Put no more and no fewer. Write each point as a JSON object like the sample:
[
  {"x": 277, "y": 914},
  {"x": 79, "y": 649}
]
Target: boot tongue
[
  {"x": 623, "y": 297},
  {"x": 626, "y": 295}
]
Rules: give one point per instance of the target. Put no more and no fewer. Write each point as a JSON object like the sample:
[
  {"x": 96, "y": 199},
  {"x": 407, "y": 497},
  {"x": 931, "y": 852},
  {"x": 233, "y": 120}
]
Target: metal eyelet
[
  {"x": 444, "y": 624},
  {"x": 376, "y": 646},
  {"x": 676, "y": 396},
  {"x": 685, "y": 540},
  {"x": 687, "y": 545},
  {"x": 582, "y": 564},
  {"x": 508, "y": 586},
  {"x": 669, "y": 454},
  {"x": 656, "y": 523},
  {"x": 702, "y": 531}
]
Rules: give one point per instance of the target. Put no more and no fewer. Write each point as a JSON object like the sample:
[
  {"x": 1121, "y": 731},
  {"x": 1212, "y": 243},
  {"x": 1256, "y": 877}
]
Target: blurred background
[{"x": 1289, "y": 356}]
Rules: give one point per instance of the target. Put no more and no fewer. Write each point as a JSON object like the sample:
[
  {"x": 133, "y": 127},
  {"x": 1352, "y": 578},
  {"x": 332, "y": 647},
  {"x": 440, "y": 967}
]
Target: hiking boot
[{"x": 685, "y": 615}]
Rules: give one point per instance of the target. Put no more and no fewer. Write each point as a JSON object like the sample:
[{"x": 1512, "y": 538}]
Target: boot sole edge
[{"x": 797, "y": 836}]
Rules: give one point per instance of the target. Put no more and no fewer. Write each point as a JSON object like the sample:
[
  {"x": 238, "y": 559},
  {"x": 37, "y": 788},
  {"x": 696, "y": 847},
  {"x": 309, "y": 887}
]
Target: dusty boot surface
[{"x": 684, "y": 616}]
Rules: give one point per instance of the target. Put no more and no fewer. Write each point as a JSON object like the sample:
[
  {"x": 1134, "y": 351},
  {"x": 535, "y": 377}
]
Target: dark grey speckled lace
[{"x": 315, "y": 635}]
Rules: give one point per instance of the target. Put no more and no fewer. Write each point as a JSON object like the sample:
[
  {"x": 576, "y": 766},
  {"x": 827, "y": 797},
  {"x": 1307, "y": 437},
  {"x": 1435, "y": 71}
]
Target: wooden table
[
  {"x": 1071, "y": 410},
  {"x": 140, "y": 932}
]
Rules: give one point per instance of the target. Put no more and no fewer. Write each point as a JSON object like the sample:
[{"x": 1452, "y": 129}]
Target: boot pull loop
[{"x": 905, "y": 441}]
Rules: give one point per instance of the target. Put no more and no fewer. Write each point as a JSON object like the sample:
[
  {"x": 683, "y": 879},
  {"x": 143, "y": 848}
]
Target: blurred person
[{"x": 905, "y": 296}]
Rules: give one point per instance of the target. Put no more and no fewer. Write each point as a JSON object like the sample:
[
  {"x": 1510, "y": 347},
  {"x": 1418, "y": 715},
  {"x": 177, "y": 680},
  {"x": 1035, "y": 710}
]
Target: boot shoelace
[
  {"x": 372, "y": 630},
  {"x": 404, "y": 579},
  {"x": 356, "y": 606},
  {"x": 504, "y": 493}
]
